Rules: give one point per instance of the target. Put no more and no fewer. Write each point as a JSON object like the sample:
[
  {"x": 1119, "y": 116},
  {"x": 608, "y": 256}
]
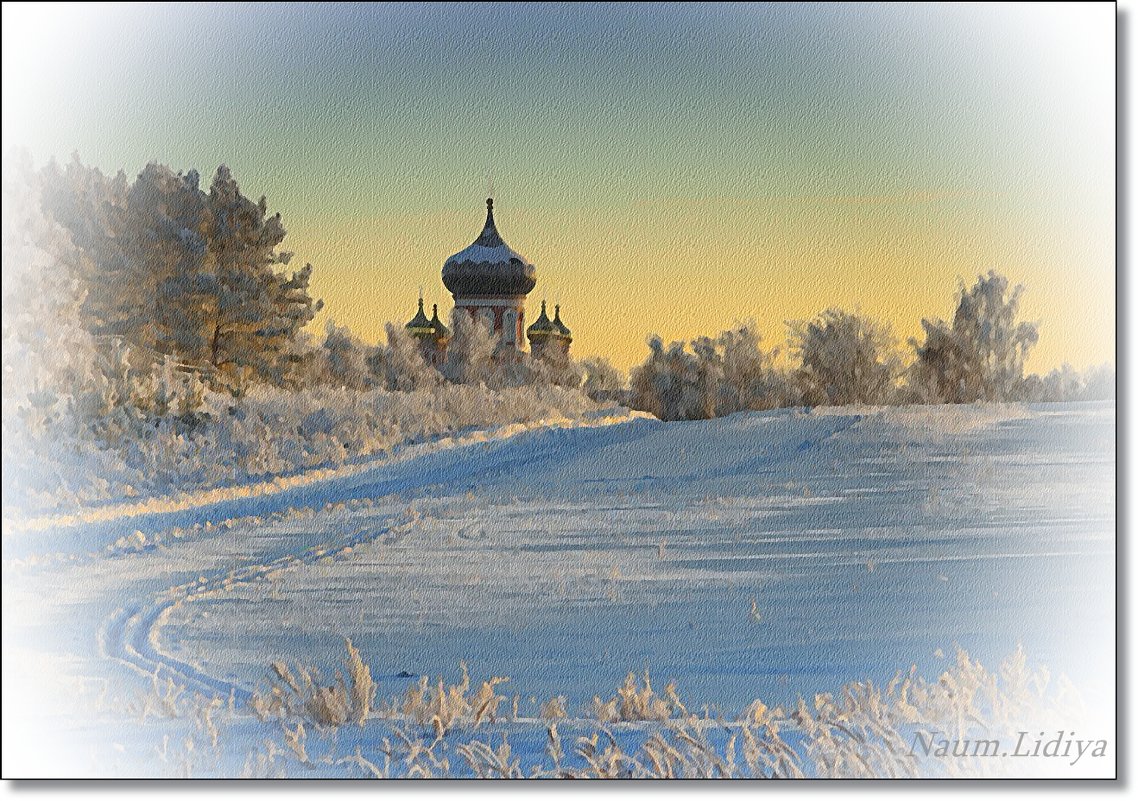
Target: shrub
[
  {"x": 846, "y": 358},
  {"x": 980, "y": 357}
]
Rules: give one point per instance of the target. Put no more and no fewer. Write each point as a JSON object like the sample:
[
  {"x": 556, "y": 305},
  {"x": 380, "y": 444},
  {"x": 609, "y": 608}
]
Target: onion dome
[
  {"x": 441, "y": 331},
  {"x": 420, "y": 326},
  {"x": 489, "y": 267},
  {"x": 561, "y": 328},
  {"x": 542, "y": 327}
]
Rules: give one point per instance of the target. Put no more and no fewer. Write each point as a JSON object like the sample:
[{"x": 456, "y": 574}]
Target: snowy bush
[
  {"x": 1065, "y": 384},
  {"x": 846, "y": 358},
  {"x": 270, "y": 431},
  {"x": 719, "y": 376},
  {"x": 980, "y": 356},
  {"x": 476, "y": 355},
  {"x": 400, "y": 364},
  {"x": 672, "y": 383},
  {"x": 341, "y": 360},
  {"x": 602, "y": 380}
]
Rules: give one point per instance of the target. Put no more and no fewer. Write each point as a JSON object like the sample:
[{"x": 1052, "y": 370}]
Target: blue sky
[{"x": 768, "y": 161}]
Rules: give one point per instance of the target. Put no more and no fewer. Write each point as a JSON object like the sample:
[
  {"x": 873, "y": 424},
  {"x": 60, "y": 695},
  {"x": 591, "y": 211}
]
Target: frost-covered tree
[
  {"x": 344, "y": 358},
  {"x": 1099, "y": 383},
  {"x": 168, "y": 269},
  {"x": 750, "y": 379},
  {"x": 721, "y": 375},
  {"x": 675, "y": 384},
  {"x": 169, "y": 217},
  {"x": 250, "y": 310},
  {"x": 846, "y": 358},
  {"x": 602, "y": 381},
  {"x": 553, "y": 366},
  {"x": 400, "y": 365},
  {"x": 478, "y": 355},
  {"x": 118, "y": 286},
  {"x": 293, "y": 309},
  {"x": 470, "y": 354},
  {"x": 48, "y": 352},
  {"x": 1065, "y": 384},
  {"x": 68, "y": 391},
  {"x": 669, "y": 384},
  {"x": 980, "y": 356}
]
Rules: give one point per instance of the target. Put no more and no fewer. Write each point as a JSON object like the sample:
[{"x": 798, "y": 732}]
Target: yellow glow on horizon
[
  {"x": 688, "y": 268},
  {"x": 671, "y": 172}
]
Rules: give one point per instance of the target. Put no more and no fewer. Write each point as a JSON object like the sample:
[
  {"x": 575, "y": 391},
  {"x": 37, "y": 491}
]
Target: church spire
[
  {"x": 489, "y": 238},
  {"x": 560, "y": 326},
  {"x": 419, "y": 325}
]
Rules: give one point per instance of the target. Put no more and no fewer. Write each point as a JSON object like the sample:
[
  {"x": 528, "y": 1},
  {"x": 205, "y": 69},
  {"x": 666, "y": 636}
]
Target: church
[{"x": 489, "y": 280}]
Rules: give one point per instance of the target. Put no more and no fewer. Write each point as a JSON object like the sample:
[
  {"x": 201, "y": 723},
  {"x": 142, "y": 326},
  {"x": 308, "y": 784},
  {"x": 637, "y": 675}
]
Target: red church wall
[{"x": 499, "y": 312}]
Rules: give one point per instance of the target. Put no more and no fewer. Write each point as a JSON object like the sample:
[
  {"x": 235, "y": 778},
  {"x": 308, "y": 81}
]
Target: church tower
[
  {"x": 432, "y": 336},
  {"x": 490, "y": 281},
  {"x": 547, "y": 337}
]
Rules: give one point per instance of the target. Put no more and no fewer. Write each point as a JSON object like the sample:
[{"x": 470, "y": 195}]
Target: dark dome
[
  {"x": 542, "y": 326},
  {"x": 420, "y": 326},
  {"x": 561, "y": 327},
  {"x": 441, "y": 331},
  {"x": 489, "y": 267}
]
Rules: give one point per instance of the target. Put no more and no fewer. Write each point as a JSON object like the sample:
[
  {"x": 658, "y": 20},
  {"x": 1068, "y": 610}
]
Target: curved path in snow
[
  {"x": 129, "y": 635},
  {"x": 862, "y": 539}
]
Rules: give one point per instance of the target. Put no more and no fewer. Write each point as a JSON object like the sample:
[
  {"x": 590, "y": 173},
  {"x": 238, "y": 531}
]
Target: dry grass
[
  {"x": 862, "y": 731},
  {"x": 635, "y": 703},
  {"x": 491, "y": 763},
  {"x": 444, "y": 706},
  {"x": 304, "y": 694},
  {"x": 300, "y": 693},
  {"x": 554, "y": 709}
]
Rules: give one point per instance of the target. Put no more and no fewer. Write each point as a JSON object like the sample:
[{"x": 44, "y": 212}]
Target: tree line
[
  {"x": 148, "y": 293},
  {"x": 841, "y": 357}
]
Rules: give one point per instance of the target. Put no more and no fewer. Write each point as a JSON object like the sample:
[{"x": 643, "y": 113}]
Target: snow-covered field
[{"x": 762, "y": 555}]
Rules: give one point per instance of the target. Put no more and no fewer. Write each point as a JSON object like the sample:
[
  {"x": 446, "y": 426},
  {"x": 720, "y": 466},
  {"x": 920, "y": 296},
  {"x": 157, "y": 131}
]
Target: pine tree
[
  {"x": 170, "y": 270},
  {"x": 249, "y": 313}
]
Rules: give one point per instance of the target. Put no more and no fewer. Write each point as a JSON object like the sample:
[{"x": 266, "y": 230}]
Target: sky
[{"x": 669, "y": 169}]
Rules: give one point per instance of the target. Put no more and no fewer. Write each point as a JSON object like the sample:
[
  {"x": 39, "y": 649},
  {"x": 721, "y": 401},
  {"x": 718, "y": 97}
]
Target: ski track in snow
[
  {"x": 130, "y": 634},
  {"x": 640, "y": 453}
]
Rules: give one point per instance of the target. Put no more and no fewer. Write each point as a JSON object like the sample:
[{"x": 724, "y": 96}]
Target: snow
[
  {"x": 272, "y": 433},
  {"x": 260, "y": 487},
  {"x": 868, "y": 539},
  {"x": 481, "y": 254}
]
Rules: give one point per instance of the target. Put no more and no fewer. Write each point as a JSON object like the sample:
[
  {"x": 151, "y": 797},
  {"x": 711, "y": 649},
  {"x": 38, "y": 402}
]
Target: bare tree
[
  {"x": 980, "y": 357},
  {"x": 846, "y": 358}
]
